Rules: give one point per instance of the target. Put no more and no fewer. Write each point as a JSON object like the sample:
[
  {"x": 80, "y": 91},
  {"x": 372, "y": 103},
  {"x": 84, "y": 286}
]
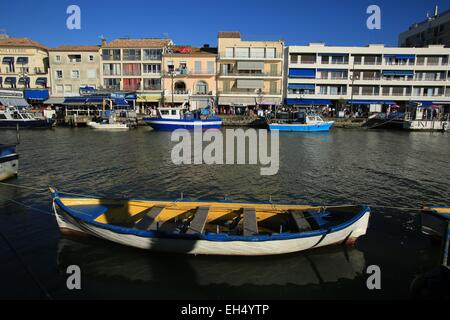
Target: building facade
[
  {"x": 434, "y": 30},
  {"x": 24, "y": 64},
  {"x": 74, "y": 70},
  {"x": 134, "y": 65},
  {"x": 189, "y": 75},
  {"x": 320, "y": 75},
  {"x": 250, "y": 73}
]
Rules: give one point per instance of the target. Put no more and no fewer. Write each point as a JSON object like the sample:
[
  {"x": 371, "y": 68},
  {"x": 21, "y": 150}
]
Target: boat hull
[
  {"x": 31, "y": 124},
  {"x": 170, "y": 125},
  {"x": 9, "y": 166},
  {"x": 74, "y": 221},
  {"x": 292, "y": 127},
  {"x": 108, "y": 126}
]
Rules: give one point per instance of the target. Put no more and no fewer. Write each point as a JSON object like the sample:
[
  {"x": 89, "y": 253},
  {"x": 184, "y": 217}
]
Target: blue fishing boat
[
  {"x": 300, "y": 122},
  {"x": 9, "y": 162},
  {"x": 169, "y": 119},
  {"x": 12, "y": 117},
  {"x": 210, "y": 227}
]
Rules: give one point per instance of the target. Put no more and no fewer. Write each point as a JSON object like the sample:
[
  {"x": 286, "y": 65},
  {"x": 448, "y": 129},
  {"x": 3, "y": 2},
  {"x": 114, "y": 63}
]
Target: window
[
  {"x": 74, "y": 58},
  {"x": 152, "y": 68},
  {"x": 59, "y": 74},
  {"x": 131, "y": 69},
  {"x": 201, "y": 87},
  {"x": 111, "y": 54},
  {"x": 68, "y": 88},
  {"x": 257, "y": 53},
  {"x": 152, "y": 54},
  {"x": 152, "y": 84},
  {"x": 75, "y": 74},
  {"x": 229, "y": 52},
  {"x": 58, "y": 58},
  {"x": 111, "y": 69},
  {"x": 210, "y": 67},
  {"x": 132, "y": 54},
  {"x": 242, "y": 52},
  {"x": 60, "y": 88},
  {"x": 112, "y": 84},
  {"x": 91, "y": 58},
  {"x": 270, "y": 52},
  {"x": 198, "y": 67},
  {"x": 92, "y": 74}
]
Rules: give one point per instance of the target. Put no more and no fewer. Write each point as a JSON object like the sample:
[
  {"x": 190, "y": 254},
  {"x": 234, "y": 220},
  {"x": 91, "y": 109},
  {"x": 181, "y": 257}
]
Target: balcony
[
  {"x": 246, "y": 74},
  {"x": 249, "y": 92},
  {"x": 113, "y": 87},
  {"x": 224, "y": 56},
  {"x": 111, "y": 57},
  {"x": 152, "y": 87},
  {"x": 132, "y": 87},
  {"x": 131, "y": 58}
]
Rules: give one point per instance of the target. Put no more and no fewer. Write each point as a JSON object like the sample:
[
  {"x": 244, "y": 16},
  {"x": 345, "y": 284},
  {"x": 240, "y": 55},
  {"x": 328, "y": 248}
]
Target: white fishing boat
[
  {"x": 210, "y": 227},
  {"x": 9, "y": 162},
  {"x": 109, "y": 124},
  {"x": 11, "y": 118},
  {"x": 300, "y": 122}
]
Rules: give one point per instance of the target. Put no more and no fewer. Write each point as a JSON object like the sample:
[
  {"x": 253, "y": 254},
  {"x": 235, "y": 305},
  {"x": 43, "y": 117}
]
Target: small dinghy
[{"x": 210, "y": 228}]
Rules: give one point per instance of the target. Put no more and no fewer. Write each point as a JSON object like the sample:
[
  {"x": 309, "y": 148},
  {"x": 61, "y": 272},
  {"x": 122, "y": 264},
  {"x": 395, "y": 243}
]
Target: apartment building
[
  {"x": 250, "y": 73},
  {"x": 189, "y": 75},
  {"x": 374, "y": 75},
  {"x": 434, "y": 30},
  {"x": 74, "y": 70},
  {"x": 134, "y": 65},
  {"x": 24, "y": 64}
]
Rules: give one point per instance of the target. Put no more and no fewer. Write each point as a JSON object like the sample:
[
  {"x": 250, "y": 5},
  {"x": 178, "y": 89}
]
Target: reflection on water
[
  {"x": 398, "y": 169},
  {"x": 314, "y": 267}
]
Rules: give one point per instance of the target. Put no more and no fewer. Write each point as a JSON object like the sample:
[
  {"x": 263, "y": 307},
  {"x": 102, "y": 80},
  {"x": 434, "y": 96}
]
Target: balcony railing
[
  {"x": 111, "y": 57},
  {"x": 152, "y": 87},
  {"x": 132, "y": 87},
  {"x": 113, "y": 87},
  {"x": 111, "y": 73},
  {"x": 224, "y": 55},
  {"x": 132, "y": 58},
  {"x": 244, "y": 74},
  {"x": 250, "y": 92}
]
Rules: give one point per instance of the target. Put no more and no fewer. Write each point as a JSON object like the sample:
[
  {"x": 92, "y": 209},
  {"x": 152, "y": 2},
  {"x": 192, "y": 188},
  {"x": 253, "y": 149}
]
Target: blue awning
[
  {"x": 431, "y": 103},
  {"x": 333, "y": 70},
  {"x": 24, "y": 80},
  {"x": 87, "y": 89},
  {"x": 398, "y": 73},
  {"x": 14, "y": 102},
  {"x": 36, "y": 94},
  {"x": 8, "y": 60},
  {"x": 22, "y": 60},
  {"x": 308, "y": 102},
  {"x": 41, "y": 81},
  {"x": 301, "y": 86},
  {"x": 121, "y": 102},
  {"x": 333, "y": 54},
  {"x": 10, "y": 80},
  {"x": 302, "y": 73},
  {"x": 387, "y": 102},
  {"x": 400, "y": 56}
]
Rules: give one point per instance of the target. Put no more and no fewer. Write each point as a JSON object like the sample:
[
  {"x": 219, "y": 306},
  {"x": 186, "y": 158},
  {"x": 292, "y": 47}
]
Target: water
[{"x": 387, "y": 168}]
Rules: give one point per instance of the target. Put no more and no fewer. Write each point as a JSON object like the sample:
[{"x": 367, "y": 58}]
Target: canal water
[{"x": 382, "y": 168}]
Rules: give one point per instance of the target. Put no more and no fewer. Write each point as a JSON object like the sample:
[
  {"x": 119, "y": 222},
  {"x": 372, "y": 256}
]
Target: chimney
[{"x": 103, "y": 41}]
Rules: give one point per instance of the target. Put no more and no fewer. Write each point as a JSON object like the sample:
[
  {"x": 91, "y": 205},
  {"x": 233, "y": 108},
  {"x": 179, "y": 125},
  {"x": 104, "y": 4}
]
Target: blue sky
[{"x": 197, "y": 22}]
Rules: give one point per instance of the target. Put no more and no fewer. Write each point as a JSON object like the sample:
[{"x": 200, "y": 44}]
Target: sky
[{"x": 196, "y": 22}]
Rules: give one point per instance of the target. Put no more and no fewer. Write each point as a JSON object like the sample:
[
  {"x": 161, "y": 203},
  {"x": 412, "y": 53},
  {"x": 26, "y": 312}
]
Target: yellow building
[
  {"x": 250, "y": 72},
  {"x": 190, "y": 76},
  {"x": 24, "y": 64}
]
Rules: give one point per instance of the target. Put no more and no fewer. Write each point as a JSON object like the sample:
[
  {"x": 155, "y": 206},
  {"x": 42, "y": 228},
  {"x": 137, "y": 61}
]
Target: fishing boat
[
  {"x": 110, "y": 123},
  {"x": 300, "y": 122},
  {"x": 169, "y": 119},
  {"x": 9, "y": 162},
  {"x": 210, "y": 228},
  {"x": 11, "y": 118}
]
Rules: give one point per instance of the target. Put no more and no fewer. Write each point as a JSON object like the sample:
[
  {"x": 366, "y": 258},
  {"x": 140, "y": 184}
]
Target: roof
[
  {"x": 75, "y": 48},
  {"x": 21, "y": 42},
  {"x": 138, "y": 43},
  {"x": 228, "y": 34}
]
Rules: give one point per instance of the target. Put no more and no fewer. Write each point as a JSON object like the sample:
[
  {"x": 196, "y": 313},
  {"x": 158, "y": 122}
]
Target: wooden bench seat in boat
[
  {"x": 197, "y": 225},
  {"x": 301, "y": 220},
  {"x": 250, "y": 222},
  {"x": 148, "y": 222}
]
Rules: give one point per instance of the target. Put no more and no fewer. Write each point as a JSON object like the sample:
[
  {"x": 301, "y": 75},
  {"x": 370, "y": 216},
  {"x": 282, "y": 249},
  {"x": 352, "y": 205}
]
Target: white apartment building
[
  {"x": 74, "y": 70},
  {"x": 321, "y": 75}
]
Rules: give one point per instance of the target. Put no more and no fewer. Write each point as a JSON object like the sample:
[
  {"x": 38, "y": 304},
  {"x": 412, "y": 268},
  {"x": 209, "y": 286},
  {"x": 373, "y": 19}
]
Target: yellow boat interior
[{"x": 208, "y": 217}]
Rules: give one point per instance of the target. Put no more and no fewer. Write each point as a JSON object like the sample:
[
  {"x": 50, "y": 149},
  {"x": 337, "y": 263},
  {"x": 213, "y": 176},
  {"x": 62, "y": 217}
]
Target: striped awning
[{"x": 13, "y": 102}]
